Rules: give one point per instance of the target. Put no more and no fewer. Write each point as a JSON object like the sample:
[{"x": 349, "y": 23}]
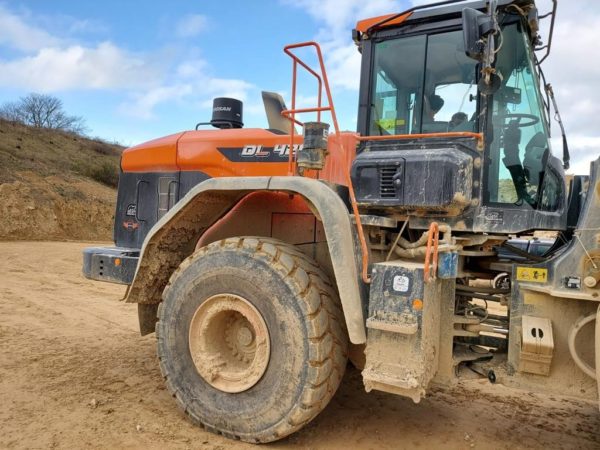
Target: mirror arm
[{"x": 490, "y": 80}]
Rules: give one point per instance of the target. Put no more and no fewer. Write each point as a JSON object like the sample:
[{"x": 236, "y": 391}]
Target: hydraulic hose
[
  {"x": 445, "y": 229},
  {"x": 421, "y": 251}
]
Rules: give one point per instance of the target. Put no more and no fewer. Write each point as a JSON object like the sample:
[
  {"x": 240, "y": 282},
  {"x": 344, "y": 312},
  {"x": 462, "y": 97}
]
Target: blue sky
[
  {"x": 136, "y": 70},
  {"x": 154, "y": 67}
]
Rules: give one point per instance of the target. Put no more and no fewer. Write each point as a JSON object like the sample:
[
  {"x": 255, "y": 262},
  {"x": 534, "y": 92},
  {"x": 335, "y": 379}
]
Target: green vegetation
[{"x": 107, "y": 173}]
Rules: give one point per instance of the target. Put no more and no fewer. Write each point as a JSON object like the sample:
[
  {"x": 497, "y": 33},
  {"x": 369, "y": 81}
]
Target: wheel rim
[{"x": 229, "y": 343}]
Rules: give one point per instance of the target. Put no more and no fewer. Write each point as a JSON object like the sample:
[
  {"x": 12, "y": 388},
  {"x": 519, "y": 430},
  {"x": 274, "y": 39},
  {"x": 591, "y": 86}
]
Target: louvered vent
[{"x": 386, "y": 181}]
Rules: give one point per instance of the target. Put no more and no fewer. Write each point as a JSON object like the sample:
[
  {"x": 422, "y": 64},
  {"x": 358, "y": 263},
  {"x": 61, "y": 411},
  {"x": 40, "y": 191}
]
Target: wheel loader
[{"x": 265, "y": 259}]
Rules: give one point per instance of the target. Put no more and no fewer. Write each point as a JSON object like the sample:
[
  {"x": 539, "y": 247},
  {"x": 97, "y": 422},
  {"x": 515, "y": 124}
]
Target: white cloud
[
  {"x": 191, "y": 84},
  {"x": 191, "y": 25},
  {"x": 573, "y": 70},
  {"x": 343, "y": 62},
  {"x": 48, "y": 63},
  {"x": 583, "y": 150},
  {"x": 192, "y": 68},
  {"x": 54, "y": 69},
  {"x": 340, "y": 17},
  {"x": 17, "y": 34},
  {"x": 142, "y": 104},
  {"x": 336, "y": 20}
]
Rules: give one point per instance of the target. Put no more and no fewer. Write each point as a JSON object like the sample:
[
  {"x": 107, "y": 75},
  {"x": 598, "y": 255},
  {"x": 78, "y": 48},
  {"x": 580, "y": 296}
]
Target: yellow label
[
  {"x": 386, "y": 124},
  {"x": 532, "y": 274},
  {"x": 389, "y": 124}
]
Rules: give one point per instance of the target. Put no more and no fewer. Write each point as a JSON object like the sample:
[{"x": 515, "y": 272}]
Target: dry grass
[
  {"x": 51, "y": 152},
  {"x": 55, "y": 184}
]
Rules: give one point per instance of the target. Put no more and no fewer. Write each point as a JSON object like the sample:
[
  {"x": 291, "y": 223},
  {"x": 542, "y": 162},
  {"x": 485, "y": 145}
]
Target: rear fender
[{"x": 175, "y": 235}]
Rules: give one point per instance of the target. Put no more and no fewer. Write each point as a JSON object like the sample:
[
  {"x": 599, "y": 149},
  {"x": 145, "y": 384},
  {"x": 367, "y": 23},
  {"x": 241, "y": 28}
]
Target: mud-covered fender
[{"x": 174, "y": 236}]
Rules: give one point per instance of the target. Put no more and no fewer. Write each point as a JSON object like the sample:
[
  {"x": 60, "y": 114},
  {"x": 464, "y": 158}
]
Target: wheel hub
[{"x": 229, "y": 343}]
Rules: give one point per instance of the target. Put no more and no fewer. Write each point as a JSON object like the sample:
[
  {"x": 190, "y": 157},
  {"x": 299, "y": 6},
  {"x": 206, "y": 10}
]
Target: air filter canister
[
  {"x": 227, "y": 113},
  {"x": 313, "y": 152}
]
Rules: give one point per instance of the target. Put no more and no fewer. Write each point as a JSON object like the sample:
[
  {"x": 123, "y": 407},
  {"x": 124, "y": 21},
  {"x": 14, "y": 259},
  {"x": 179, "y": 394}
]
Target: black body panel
[
  {"x": 143, "y": 198},
  {"x": 437, "y": 179},
  {"x": 421, "y": 187},
  {"x": 187, "y": 180}
]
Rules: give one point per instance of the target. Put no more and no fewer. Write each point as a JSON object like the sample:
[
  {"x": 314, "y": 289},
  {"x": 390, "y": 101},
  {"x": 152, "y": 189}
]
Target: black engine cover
[{"x": 430, "y": 180}]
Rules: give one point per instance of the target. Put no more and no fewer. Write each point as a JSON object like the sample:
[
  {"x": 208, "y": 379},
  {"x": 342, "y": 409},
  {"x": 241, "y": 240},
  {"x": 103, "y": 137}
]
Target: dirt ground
[
  {"x": 55, "y": 208},
  {"x": 74, "y": 373}
]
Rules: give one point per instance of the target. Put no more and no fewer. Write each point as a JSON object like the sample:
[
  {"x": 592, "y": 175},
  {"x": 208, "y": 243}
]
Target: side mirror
[{"x": 476, "y": 27}]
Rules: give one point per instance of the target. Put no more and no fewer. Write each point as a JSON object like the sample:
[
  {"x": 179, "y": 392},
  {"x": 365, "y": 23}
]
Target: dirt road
[{"x": 74, "y": 373}]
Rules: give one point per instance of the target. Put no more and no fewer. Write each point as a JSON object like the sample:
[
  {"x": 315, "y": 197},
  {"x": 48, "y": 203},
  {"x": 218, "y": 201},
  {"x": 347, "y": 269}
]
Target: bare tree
[
  {"x": 11, "y": 111},
  {"x": 42, "y": 111}
]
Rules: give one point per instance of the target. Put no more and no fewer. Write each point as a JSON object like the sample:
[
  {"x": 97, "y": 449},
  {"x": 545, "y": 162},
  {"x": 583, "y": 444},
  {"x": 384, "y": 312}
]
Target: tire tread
[{"x": 327, "y": 337}]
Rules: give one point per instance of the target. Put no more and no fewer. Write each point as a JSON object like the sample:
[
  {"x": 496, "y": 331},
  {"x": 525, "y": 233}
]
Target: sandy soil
[
  {"x": 55, "y": 208},
  {"x": 74, "y": 373}
]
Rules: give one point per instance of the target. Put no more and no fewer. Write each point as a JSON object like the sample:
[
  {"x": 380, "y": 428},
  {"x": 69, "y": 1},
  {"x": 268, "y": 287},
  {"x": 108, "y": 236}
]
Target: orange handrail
[
  {"x": 291, "y": 114},
  {"x": 433, "y": 239}
]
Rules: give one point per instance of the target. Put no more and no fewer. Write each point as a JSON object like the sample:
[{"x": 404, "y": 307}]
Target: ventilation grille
[{"x": 386, "y": 181}]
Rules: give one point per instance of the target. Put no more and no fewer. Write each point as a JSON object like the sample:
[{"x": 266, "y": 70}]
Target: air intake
[
  {"x": 386, "y": 181},
  {"x": 227, "y": 113}
]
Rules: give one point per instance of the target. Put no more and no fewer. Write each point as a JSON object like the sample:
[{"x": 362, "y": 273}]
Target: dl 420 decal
[{"x": 258, "y": 153}]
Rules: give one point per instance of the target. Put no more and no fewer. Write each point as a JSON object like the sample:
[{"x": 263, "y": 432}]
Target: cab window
[{"x": 423, "y": 84}]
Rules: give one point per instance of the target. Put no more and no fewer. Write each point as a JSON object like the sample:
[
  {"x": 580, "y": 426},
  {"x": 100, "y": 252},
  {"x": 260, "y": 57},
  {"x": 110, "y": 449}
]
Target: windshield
[
  {"x": 518, "y": 146},
  {"x": 423, "y": 84}
]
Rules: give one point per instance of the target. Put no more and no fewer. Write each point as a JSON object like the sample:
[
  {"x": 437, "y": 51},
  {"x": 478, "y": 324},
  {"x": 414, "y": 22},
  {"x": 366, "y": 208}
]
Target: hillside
[{"x": 55, "y": 185}]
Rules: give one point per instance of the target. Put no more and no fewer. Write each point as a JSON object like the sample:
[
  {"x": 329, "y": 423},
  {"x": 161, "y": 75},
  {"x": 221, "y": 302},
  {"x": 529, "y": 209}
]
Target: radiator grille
[{"x": 386, "y": 181}]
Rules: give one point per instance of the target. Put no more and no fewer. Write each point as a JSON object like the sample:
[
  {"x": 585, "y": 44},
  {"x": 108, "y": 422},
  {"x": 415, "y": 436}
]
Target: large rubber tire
[{"x": 308, "y": 339}]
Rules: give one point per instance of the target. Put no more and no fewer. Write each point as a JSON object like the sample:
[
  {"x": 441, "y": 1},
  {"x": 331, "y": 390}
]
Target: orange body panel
[
  {"x": 158, "y": 155},
  {"x": 198, "y": 150},
  {"x": 249, "y": 152},
  {"x": 364, "y": 25},
  {"x": 256, "y": 212},
  {"x": 342, "y": 152}
]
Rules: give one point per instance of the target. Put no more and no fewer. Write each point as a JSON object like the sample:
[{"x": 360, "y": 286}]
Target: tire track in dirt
[{"x": 74, "y": 373}]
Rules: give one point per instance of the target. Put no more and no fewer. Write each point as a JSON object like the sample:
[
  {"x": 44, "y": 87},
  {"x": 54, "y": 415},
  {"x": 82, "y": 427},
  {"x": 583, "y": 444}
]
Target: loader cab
[{"x": 416, "y": 79}]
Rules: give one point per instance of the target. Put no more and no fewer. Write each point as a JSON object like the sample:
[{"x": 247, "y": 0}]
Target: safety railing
[{"x": 323, "y": 82}]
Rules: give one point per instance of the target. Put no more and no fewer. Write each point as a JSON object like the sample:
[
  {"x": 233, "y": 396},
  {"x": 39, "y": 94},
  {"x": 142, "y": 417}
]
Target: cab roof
[{"x": 433, "y": 11}]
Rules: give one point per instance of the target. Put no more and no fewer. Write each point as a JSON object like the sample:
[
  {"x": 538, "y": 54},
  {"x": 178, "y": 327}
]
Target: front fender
[{"x": 174, "y": 236}]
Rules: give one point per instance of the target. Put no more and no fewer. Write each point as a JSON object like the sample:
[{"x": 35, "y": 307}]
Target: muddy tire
[{"x": 251, "y": 338}]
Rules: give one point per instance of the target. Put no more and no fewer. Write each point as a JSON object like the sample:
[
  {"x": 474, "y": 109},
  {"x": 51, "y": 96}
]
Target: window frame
[{"x": 366, "y": 99}]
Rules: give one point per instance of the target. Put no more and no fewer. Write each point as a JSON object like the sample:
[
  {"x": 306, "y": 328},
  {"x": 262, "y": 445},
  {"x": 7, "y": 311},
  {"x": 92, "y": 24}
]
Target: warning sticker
[
  {"x": 401, "y": 283},
  {"x": 533, "y": 274}
]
